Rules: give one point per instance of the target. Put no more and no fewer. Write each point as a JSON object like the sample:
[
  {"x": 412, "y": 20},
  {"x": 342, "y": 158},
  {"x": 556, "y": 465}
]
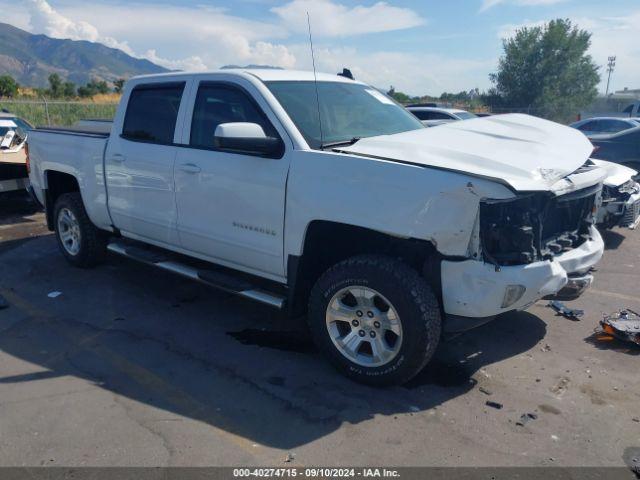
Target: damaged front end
[
  {"x": 538, "y": 227},
  {"x": 620, "y": 206}
]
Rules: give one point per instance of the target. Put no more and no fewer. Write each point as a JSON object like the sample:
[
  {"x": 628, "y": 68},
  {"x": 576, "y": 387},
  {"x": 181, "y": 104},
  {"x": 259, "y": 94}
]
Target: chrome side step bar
[{"x": 217, "y": 280}]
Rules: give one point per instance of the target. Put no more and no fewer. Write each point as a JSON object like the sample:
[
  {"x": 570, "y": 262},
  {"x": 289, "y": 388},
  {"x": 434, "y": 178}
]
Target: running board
[{"x": 219, "y": 280}]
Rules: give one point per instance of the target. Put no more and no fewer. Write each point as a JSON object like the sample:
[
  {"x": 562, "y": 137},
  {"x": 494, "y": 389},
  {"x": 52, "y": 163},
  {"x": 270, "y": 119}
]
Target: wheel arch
[
  {"x": 57, "y": 183},
  {"x": 327, "y": 243}
]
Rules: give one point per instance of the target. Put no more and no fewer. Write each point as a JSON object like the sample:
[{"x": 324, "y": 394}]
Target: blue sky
[{"x": 421, "y": 47}]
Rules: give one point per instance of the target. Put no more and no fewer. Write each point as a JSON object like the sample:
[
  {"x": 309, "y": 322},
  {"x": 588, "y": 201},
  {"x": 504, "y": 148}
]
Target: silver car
[{"x": 433, "y": 116}]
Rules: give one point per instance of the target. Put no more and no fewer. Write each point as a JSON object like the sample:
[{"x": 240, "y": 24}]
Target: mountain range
[{"x": 30, "y": 59}]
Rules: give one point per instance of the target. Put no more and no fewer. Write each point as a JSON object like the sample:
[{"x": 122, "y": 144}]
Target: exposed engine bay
[{"x": 535, "y": 227}]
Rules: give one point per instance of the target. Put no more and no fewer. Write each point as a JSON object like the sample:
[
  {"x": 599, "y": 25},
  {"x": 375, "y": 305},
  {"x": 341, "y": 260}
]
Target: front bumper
[{"x": 474, "y": 289}]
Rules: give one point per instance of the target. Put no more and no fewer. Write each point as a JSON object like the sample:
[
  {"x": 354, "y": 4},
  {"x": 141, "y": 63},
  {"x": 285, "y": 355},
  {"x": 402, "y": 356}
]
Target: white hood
[
  {"x": 525, "y": 152},
  {"x": 616, "y": 174}
]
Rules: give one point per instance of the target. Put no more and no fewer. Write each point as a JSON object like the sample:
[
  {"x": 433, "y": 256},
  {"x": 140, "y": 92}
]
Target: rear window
[{"x": 152, "y": 112}]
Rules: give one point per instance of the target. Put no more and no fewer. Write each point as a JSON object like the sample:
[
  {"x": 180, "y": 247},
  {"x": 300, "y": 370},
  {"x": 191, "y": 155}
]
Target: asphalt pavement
[{"x": 123, "y": 365}]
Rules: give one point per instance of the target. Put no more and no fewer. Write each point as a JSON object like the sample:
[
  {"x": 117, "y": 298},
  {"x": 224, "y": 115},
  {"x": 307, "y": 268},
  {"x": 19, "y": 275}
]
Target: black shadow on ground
[
  {"x": 602, "y": 341},
  {"x": 124, "y": 328},
  {"x": 612, "y": 239}
]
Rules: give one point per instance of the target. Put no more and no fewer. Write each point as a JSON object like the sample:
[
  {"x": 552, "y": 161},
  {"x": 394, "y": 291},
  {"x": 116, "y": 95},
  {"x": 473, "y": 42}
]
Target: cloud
[
  {"x": 609, "y": 36},
  {"x": 195, "y": 37},
  {"x": 509, "y": 30},
  {"x": 329, "y": 19},
  {"x": 189, "y": 38},
  {"x": 415, "y": 74},
  {"x": 44, "y": 19},
  {"x": 487, "y": 4},
  {"x": 194, "y": 63}
]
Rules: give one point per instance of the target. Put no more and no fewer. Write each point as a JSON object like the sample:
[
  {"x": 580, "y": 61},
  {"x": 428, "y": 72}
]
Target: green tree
[
  {"x": 8, "y": 86},
  {"x": 56, "y": 88},
  {"x": 69, "y": 89},
  {"x": 399, "y": 97},
  {"x": 547, "y": 69},
  {"x": 118, "y": 85},
  {"x": 101, "y": 86},
  {"x": 92, "y": 88}
]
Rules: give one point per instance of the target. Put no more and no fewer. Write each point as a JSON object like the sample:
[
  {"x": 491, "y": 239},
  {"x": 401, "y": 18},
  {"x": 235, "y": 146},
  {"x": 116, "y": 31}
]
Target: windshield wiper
[{"x": 341, "y": 143}]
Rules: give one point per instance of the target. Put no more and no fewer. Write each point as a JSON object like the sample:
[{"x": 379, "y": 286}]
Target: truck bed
[
  {"x": 79, "y": 130},
  {"x": 75, "y": 151}
]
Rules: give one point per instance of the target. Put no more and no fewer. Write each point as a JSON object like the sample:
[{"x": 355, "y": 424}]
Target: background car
[
  {"x": 20, "y": 122},
  {"x": 433, "y": 116},
  {"x": 12, "y": 137},
  {"x": 622, "y": 147},
  {"x": 600, "y": 125}
]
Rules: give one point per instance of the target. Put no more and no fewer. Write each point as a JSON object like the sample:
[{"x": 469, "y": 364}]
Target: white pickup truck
[{"x": 327, "y": 198}]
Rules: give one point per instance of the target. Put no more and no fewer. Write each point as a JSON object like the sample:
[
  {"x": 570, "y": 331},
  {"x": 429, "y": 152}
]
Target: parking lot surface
[{"x": 129, "y": 366}]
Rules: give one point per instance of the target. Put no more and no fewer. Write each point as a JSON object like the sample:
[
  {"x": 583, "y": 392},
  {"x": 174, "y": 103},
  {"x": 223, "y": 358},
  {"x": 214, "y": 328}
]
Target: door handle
[
  {"x": 118, "y": 158},
  {"x": 190, "y": 168}
]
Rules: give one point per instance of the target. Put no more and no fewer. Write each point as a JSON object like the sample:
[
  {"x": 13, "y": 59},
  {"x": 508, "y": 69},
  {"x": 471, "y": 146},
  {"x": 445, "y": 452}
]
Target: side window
[
  {"x": 22, "y": 124},
  {"x": 629, "y": 109},
  {"x": 440, "y": 116},
  {"x": 587, "y": 127},
  {"x": 420, "y": 114},
  {"x": 216, "y": 104},
  {"x": 618, "y": 126},
  {"x": 152, "y": 112}
]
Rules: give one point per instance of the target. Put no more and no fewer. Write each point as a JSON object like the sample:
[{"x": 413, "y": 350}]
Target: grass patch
[{"x": 59, "y": 113}]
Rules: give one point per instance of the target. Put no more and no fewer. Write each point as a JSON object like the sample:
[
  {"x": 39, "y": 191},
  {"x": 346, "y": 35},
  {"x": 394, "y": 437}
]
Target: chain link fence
[{"x": 46, "y": 113}]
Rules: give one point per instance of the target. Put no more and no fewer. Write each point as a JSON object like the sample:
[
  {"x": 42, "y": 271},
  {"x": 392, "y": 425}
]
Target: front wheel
[
  {"x": 376, "y": 319},
  {"x": 82, "y": 244}
]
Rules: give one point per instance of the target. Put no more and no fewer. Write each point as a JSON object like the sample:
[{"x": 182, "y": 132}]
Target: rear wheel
[
  {"x": 376, "y": 319},
  {"x": 82, "y": 244}
]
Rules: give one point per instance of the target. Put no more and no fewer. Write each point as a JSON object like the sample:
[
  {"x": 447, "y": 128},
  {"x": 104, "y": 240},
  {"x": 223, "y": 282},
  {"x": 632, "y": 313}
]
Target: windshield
[
  {"x": 4, "y": 130},
  {"x": 465, "y": 115},
  {"x": 347, "y": 111}
]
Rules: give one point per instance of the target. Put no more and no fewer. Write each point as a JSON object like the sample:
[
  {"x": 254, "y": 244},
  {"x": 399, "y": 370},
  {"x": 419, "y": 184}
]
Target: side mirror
[{"x": 249, "y": 138}]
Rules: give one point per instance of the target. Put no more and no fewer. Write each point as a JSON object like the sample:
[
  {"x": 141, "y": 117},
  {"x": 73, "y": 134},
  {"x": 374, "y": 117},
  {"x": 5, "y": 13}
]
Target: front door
[{"x": 230, "y": 205}]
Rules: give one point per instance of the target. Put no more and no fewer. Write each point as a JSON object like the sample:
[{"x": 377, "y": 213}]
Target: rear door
[
  {"x": 139, "y": 163},
  {"x": 231, "y": 205}
]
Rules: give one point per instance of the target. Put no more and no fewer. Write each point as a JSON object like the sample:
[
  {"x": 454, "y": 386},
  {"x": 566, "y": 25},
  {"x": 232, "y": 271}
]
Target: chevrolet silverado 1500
[{"x": 327, "y": 198}]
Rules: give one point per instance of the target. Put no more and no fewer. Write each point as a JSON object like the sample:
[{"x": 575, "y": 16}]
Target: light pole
[{"x": 610, "y": 67}]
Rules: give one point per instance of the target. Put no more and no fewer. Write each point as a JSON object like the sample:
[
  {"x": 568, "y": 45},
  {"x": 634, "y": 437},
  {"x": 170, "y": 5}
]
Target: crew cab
[{"x": 324, "y": 197}]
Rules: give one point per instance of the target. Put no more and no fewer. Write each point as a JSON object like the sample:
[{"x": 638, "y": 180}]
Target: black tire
[
  {"x": 93, "y": 242},
  {"x": 411, "y": 297}
]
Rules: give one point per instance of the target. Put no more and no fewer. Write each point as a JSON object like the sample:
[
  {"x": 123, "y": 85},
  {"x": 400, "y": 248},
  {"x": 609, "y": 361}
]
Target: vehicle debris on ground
[
  {"x": 526, "y": 418},
  {"x": 623, "y": 325},
  {"x": 561, "y": 309}
]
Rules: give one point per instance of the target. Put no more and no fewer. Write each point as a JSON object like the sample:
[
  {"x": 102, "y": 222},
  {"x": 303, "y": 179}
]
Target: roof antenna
[{"x": 315, "y": 81}]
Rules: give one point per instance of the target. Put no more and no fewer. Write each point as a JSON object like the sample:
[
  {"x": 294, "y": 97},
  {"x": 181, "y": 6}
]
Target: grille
[
  {"x": 568, "y": 213},
  {"x": 536, "y": 227},
  {"x": 631, "y": 214}
]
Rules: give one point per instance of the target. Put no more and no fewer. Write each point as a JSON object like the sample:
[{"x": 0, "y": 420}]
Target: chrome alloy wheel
[
  {"x": 364, "y": 326},
  {"x": 69, "y": 231}
]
